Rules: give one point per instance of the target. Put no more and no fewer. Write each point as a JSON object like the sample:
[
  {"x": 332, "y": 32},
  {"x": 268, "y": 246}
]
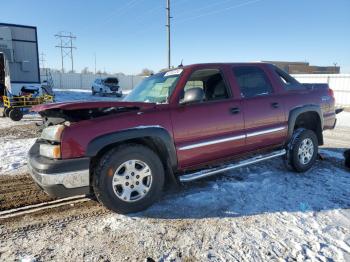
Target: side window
[
  {"x": 288, "y": 81},
  {"x": 252, "y": 81},
  {"x": 212, "y": 83}
]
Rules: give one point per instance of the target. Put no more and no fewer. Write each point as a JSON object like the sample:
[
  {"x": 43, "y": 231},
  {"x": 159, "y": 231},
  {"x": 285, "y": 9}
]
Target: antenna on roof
[{"x": 181, "y": 65}]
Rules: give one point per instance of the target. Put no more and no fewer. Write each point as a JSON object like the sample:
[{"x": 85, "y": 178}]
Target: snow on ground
[
  {"x": 13, "y": 155},
  {"x": 260, "y": 213},
  {"x": 343, "y": 119}
]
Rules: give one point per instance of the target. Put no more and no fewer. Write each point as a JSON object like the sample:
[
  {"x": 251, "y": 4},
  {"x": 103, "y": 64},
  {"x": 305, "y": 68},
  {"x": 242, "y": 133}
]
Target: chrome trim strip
[
  {"x": 233, "y": 138},
  {"x": 214, "y": 171},
  {"x": 212, "y": 142},
  {"x": 267, "y": 131}
]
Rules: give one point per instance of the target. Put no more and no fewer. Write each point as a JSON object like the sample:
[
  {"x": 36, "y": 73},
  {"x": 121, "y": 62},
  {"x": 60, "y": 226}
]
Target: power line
[
  {"x": 117, "y": 12},
  {"x": 66, "y": 46},
  {"x": 188, "y": 10},
  {"x": 218, "y": 11}
]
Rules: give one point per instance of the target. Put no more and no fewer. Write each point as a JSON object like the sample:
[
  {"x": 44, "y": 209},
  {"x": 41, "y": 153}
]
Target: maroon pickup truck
[{"x": 178, "y": 126}]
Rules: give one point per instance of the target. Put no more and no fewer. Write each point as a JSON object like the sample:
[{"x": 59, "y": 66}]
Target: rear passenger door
[{"x": 264, "y": 118}]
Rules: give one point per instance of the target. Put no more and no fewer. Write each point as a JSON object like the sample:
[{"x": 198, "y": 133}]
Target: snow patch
[
  {"x": 13, "y": 155},
  {"x": 343, "y": 119}
]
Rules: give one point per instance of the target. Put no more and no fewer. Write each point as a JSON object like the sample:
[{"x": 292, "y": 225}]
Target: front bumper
[{"x": 59, "y": 178}]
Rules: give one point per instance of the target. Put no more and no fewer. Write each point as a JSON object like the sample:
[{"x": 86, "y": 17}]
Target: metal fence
[
  {"x": 339, "y": 83},
  {"x": 84, "y": 81}
]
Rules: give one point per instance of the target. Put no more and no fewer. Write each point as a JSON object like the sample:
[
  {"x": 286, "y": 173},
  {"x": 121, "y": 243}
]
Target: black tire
[
  {"x": 111, "y": 162},
  {"x": 301, "y": 162},
  {"x": 347, "y": 158},
  {"x": 7, "y": 111},
  {"x": 15, "y": 114},
  {"x": 119, "y": 95},
  {"x": 92, "y": 91}
]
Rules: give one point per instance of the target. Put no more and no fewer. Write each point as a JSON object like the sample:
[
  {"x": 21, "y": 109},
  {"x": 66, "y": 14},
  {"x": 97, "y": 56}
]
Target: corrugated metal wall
[
  {"x": 84, "y": 81},
  {"x": 340, "y": 83}
]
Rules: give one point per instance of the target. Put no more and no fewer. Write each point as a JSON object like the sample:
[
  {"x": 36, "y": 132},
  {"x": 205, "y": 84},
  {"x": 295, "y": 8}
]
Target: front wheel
[
  {"x": 303, "y": 150},
  {"x": 15, "y": 114},
  {"x": 128, "y": 178}
]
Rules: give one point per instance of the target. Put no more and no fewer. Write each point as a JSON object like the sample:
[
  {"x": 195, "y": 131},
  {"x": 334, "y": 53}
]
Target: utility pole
[
  {"x": 42, "y": 60},
  {"x": 66, "y": 46},
  {"x": 71, "y": 48},
  {"x": 335, "y": 67},
  {"x": 95, "y": 63},
  {"x": 168, "y": 31}
]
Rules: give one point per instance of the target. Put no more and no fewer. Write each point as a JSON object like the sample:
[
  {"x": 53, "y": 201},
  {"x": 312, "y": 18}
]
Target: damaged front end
[
  {"x": 57, "y": 173},
  {"x": 58, "y": 113}
]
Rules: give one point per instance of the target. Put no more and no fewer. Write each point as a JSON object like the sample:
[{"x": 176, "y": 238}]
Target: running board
[{"x": 214, "y": 171}]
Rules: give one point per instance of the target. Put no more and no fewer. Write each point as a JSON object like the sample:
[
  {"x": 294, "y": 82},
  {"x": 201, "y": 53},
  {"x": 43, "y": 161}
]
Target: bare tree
[
  {"x": 86, "y": 71},
  {"x": 146, "y": 72}
]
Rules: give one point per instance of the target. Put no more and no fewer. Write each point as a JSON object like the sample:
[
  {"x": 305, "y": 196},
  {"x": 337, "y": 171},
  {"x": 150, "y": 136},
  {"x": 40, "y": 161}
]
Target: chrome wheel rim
[
  {"x": 132, "y": 180},
  {"x": 306, "y": 151}
]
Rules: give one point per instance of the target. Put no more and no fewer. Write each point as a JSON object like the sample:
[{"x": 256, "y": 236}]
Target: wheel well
[
  {"x": 311, "y": 121},
  {"x": 154, "y": 144}
]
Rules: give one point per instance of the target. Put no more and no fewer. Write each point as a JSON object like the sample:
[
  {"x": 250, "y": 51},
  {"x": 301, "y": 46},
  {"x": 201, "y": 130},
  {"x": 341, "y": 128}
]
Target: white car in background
[{"x": 106, "y": 86}]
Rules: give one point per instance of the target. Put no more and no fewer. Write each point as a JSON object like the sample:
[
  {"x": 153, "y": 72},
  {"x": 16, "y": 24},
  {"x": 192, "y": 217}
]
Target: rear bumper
[
  {"x": 59, "y": 178},
  {"x": 112, "y": 90}
]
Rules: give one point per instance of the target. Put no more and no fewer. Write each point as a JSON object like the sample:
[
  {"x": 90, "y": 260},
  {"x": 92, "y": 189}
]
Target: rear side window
[
  {"x": 288, "y": 81},
  {"x": 252, "y": 81}
]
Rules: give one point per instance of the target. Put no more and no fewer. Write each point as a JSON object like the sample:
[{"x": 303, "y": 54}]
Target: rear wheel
[
  {"x": 15, "y": 114},
  {"x": 303, "y": 150},
  {"x": 129, "y": 178},
  {"x": 7, "y": 111}
]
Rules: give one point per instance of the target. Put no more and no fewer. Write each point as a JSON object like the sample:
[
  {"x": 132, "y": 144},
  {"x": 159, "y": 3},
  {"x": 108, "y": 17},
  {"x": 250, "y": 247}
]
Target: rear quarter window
[{"x": 287, "y": 80}]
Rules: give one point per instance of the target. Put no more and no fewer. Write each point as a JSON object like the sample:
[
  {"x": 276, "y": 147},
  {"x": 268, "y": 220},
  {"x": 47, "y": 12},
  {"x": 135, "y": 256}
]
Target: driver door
[{"x": 211, "y": 129}]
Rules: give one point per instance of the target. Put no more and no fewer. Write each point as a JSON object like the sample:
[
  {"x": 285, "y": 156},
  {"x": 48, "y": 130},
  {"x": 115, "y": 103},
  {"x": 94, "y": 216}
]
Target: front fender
[{"x": 156, "y": 133}]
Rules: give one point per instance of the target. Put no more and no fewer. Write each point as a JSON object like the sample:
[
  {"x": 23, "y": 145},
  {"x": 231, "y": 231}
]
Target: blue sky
[{"x": 130, "y": 35}]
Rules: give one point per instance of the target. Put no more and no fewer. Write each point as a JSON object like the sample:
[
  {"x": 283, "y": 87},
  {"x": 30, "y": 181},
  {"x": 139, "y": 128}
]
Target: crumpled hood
[{"x": 81, "y": 105}]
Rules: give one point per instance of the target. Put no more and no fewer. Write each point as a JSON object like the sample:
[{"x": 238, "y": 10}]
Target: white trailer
[{"x": 19, "y": 46}]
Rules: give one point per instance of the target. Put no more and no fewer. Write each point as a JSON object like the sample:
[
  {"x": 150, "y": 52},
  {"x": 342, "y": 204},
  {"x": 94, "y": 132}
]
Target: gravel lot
[{"x": 259, "y": 213}]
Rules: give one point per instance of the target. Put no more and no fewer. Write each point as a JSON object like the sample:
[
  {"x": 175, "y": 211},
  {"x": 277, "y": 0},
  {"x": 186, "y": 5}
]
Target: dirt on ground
[
  {"x": 21, "y": 131},
  {"x": 20, "y": 190}
]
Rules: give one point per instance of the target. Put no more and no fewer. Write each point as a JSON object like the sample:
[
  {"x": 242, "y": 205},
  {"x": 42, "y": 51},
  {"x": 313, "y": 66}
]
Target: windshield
[{"x": 156, "y": 88}]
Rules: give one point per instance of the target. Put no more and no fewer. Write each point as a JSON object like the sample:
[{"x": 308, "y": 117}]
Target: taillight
[{"x": 330, "y": 92}]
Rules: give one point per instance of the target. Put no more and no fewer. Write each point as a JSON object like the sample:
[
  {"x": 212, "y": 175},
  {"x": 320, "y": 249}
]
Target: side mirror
[{"x": 193, "y": 95}]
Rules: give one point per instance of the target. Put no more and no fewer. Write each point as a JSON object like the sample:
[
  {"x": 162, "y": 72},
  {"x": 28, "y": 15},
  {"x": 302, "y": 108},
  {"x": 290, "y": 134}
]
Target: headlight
[
  {"x": 50, "y": 151},
  {"x": 52, "y": 133}
]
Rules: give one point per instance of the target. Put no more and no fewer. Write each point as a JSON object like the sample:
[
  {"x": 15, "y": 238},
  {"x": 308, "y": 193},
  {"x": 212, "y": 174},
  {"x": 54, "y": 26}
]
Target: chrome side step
[{"x": 214, "y": 171}]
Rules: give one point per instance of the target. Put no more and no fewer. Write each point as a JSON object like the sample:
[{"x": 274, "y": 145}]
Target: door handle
[
  {"x": 275, "y": 105},
  {"x": 234, "y": 110}
]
